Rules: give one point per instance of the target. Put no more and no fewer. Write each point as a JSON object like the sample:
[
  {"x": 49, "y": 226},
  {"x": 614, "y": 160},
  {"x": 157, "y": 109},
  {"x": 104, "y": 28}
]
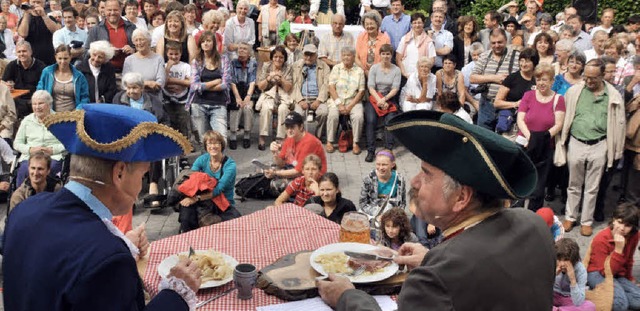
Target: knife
[{"x": 367, "y": 256}]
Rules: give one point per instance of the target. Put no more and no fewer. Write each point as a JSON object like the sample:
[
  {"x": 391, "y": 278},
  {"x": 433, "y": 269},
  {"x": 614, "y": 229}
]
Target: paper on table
[{"x": 316, "y": 304}]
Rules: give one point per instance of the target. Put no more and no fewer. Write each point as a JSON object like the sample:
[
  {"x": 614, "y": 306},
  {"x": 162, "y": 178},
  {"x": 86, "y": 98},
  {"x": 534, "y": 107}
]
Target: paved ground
[{"x": 349, "y": 168}]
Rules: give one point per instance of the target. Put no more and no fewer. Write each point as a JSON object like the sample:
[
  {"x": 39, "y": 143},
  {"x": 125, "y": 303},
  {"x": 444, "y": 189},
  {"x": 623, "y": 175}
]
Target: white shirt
[
  {"x": 410, "y": 60},
  {"x": 414, "y": 88},
  {"x": 157, "y": 33},
  {"x": 64, "y": 36},
  {"x": 10, "y": 51},
  {"x": 607, "y": 30},
  {"x": 178, "y": 71},
  {"x": 590, "y": 54},
  {"x": 140, "y": 23}
]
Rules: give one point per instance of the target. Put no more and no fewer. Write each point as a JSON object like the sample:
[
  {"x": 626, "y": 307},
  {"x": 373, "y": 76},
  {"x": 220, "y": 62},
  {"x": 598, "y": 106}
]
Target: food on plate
[
  {"x": 334, "y": 262},
  {"x": 372, "y": 266},
  {"x": 212, "y": 265}
]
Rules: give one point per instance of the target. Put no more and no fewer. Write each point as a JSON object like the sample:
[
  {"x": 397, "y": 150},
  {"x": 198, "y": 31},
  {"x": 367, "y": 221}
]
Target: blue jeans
[
  {"x": 207, "y": 117},
  {"x": 626, "y": 294},
  {"x": 487, "y": 114},
  {"x": 371, "y": 119}
]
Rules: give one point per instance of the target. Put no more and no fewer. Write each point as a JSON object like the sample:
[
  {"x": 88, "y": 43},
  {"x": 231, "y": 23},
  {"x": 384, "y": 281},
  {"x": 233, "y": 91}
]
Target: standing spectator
[
  {"x": 420, "y": 90},
  {"x": 144, "y": 61},
  {"x": 310, "y": 89},
  {"x": 100, "y": 75},
  {"x": 624, "y": 68},
  {"x": 70, "y": 35},
  {"x": 91, "y": 21},
  {"x": 533, "y": 7},
  {"x": 11, "y": 19},
  {"x": 157, "y": 22},
  {"x": 449, "y": 22},
  {"x": 545, "y": 21},
  {"x": 285, "y": 27},
  {"x": 413, "y": 46},
  {"x": 37, "y": 28},
  {"x": 473, "y": 99},
  {"x": 346, "y": 89},
  {"x": 176, "y": 88},
  {"x": 598, "y": 40},
  {"x": 190, "y": 17},
  {"x": 384, "y": 84},
  {"x": 131, "y": 15},
  {"x": 564, "y": 48},
  {"x": 380, "y": 6},
  {"x": 303, "y": 18},
  {"x": 573, "y": 75},
  {"x": 540, "y": 118},
  {"x": 209, "y": 93},
  {"x": 7, "y": 46},
  {"x": 64, "y": 82},
  {"x": 158, "y": 32},
  {"x": 512, "y": 27},
  {"x": 528, "y": 22},
  {"x": 467, "y": 35},
  {"x": 271, "y": 15},
  {"x": 210, "y": 22},
  {"x": 148, "y": 8},
  {"x": 491, "y": 70},
  {"x": 23, "y": 73},
  {"x": 369, "y": 42},
  {"x": 239, "y": 29},
  {"x": 595, "y": 120},
  {"x": 512, "y": 8},
  {"x": 442, "y": 39},
  {"x": 115, "y": 30},
  {"x": 491, "y": 21},
  {"x": 397, "y": 24},
  {"x": 582, "y": 40},
  {"x": 243, "y": 84},
  {"x": 292, "y": 46},
  {"x": 14, "y": 8},
  {"x": 545, "y": 46},
  {"x": 606, "y": 21},
  {"x": 175, "y": 30},
  {"x": 322, "y": 11},
  {"x": 332, "y": 43},
  {"x": 450, "y": 80}
]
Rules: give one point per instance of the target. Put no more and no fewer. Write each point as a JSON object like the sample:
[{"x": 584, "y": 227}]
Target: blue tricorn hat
[
  {"x": 116, "y": 132},
  {"x": 472, "y": 155}
]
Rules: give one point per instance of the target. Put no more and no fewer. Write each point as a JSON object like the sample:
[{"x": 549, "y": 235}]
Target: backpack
[{"x": 255, "y": 186}]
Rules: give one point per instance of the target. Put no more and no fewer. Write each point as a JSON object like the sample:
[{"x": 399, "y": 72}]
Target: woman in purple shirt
[{"x": 540, "y": 118}]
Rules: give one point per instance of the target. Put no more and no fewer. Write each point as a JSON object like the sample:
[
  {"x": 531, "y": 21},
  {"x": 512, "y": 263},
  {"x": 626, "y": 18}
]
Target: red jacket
[
  {"x": 603, "y": 246},
  {"x": 198, "y": 182}
]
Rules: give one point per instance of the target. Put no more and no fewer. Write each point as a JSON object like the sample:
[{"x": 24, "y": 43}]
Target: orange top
[{"x": 363, "y": 46}]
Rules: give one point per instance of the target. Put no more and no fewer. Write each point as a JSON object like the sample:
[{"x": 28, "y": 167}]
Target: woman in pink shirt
[{"x": 540, "y": 118}]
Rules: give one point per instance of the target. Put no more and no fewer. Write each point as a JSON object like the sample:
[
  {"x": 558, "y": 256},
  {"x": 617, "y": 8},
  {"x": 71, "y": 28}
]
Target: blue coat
[
  {"x": 79, "y": 82},
  {"x": 59, "y": 255}
]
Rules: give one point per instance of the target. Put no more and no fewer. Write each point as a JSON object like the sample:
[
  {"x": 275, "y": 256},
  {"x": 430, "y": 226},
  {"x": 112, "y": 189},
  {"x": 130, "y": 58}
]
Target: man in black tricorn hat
[{"x": 491, "y": 258}]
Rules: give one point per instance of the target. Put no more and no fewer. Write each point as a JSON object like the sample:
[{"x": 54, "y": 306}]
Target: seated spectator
[
  {"x": 243, "y": 84},
  {"x": 38, "y": 180},
  {"x": 572, "y": 76},
  {"x": 220, "y": 167},
  {"x": 275, "y": 82},
  {"x": 33, "y": 137},
  {"x": 384, "y": 84},
  {"x": 571, "y": 278},
  {"x": 449, "y": 102},
  {"x": 396, "y": 229},
  {"x": 346, "y": 89},
  {"x": 7, "y": 113},
  {"x": 99, "y": 73},
  {"x": 66, "y": 84},
  {"x": 70, "y": 35},
  {"x": 23, "y": 73},
  {"x": 209, "y": 92},
  {"x": 448, "y": 79},
  {"x": 239, "y": 29},
  {"x": 413, "y": 46},
  {"x": 310, "y": 89},
  {"x": 467, "y": 35},
  {"x": 304, "y": 187},
  {"x": 146, "y": 62},
  {"x": 369, "y": 42},
  {"x": 7, "y": 46},
  {"x": 472, "y": 98},
  {"x": 289, "y": 155},
  {"x": 552, "y": 221},
  {"x": 618, "y": 242},
  {"x": 10, "y": 18},
  {"x": 383, "y": 186},
  {"x": 176, "y": 89},
  {"x": 38, "y": 28},
  {"x": 291, "y": 44},
  {"x": 419, "y": 91},
  {"x": 334, "y": 206},
  {"x": 545, "y": 46}
]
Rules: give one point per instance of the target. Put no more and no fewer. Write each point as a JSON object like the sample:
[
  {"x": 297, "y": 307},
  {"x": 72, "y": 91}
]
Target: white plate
[
  {"x": 165, "y": 266},
  {"x": 387, "y": 271}
]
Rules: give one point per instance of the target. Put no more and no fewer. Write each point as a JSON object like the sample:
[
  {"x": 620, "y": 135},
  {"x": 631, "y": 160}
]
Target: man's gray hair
[
  {"x": 132, "y": 78},
  {"x": 339, "y": 15},
  {"x": 43, "y": 96},
  {"x": 25, "y": 43},
  {"x": 91, "y": 168},
  {"x": 104, "y": 47}
]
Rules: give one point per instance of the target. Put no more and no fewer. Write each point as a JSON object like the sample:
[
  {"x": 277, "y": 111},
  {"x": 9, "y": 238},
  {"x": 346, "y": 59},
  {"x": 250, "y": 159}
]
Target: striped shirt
[
  {"x": 331, "y": 46},
  {"x": 298, "y": 188},
  {"x": 487, "y": 65}
]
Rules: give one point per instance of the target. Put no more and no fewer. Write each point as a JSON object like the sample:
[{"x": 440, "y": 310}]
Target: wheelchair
[{"x": 171, "y": 168}]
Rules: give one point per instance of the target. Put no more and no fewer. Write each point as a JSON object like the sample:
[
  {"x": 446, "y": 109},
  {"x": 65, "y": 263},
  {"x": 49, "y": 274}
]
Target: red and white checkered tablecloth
[{"x": 259, "y": 239}]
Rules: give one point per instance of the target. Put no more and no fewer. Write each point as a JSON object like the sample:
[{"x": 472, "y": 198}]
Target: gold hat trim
[
  {"x": 141, "y": 130},
  {"x": 483, "y": 153}
]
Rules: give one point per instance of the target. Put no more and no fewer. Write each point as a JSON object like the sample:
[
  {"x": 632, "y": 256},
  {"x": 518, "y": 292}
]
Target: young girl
[
  {"x": 396, "y": 229},
  {"x": 305, "y": 186},
  {"x": 334, "y": 206},
  {"x": 617, "y": 241},
  {"x": 291, "y": 43},
  {"x": 571, "y": 278}
]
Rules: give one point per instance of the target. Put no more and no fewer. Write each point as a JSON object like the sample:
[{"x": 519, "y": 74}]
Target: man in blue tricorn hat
[
  {"x": 492, "y": 258},
  {"x": 62, "y": 252}
]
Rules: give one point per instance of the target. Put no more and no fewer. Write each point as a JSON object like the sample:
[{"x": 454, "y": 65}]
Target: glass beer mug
[{"x": 355, "y": 228}]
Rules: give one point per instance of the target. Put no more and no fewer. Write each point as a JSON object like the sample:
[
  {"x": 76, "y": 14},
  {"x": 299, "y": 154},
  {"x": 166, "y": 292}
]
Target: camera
[
  {"x": 26, "y": 6},
  {"x": 480, "y": 89}
]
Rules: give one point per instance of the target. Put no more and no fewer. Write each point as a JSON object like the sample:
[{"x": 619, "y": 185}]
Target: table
[
  {"x": 259, "y": 238},
  {"x": 322, "y": 29},
  {"x": 17, "y": 93}
]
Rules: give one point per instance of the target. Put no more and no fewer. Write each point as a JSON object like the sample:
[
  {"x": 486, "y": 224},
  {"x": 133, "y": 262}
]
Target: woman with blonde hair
[{"x": 175, "y": 30}]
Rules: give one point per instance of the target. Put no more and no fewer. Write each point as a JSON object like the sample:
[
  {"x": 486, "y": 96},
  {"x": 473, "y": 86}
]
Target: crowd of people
[{"x": 564, "y": 89}]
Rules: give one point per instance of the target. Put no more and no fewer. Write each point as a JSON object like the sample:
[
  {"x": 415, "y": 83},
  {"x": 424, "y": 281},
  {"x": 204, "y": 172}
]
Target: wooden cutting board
[{"x": 292, "y": 278}]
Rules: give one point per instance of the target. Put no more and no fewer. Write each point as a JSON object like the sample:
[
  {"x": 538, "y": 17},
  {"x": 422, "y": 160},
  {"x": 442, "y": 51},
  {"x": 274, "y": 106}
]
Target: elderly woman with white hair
[
  {"x": 564, "y": 48},
  {"x": 146, "y": 62},
  {"x": 33, "y": 136},
  {"x": 419, "y": 91},
  {"x": 239, "y": 29},
  {"x": 211, "y": 21},
  {"x": 99, "y": 72},
  {"x": 134, "y": 95}
]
